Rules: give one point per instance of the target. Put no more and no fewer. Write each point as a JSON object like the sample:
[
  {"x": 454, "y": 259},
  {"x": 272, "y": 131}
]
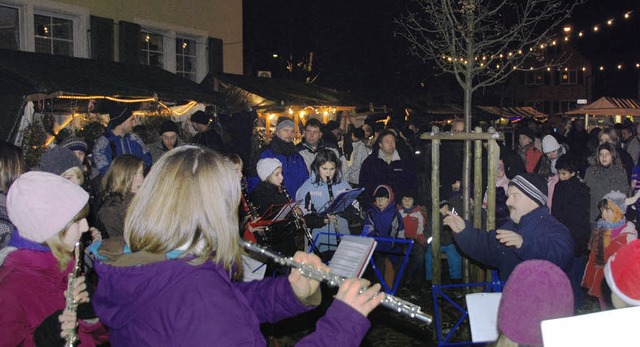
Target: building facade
[
  {"x": 189, "y": 37},
  {"x": 553, "y": 90}
]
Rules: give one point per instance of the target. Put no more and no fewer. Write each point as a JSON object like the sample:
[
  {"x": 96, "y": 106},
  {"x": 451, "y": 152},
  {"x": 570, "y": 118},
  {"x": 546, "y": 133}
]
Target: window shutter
[
  {"x": 129, "y": 42},
  {"x": 102, "y": 44},
  {"x": 215, "y": 55}
]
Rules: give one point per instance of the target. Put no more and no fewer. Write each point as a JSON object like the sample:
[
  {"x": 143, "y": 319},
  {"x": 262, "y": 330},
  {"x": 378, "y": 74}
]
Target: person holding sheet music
[
  {"x": 317, "y": 193},
  {"x": 271, "y": 192}
]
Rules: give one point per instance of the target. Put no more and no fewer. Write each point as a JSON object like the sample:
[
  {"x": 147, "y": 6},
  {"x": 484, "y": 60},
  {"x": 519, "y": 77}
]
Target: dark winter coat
[
  {"x": 571, "y": 207},
  {"x": 264, "y": 196},
  {"x": 544, "y": 237},
  {"x": 400, "y": 175}
]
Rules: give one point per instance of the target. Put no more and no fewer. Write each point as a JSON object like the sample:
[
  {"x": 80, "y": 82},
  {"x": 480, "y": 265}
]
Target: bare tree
[{"x": 481, "y": 42}]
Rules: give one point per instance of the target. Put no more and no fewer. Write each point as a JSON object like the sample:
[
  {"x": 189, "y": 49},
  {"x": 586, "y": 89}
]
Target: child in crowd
[
  {"x": 571, "y": 208},
  {"x": 384, "y": 220},
  {"x": 177, "y": 285},
  {"x": 537, "y": 290},
  {"x": 502, "y": 185},
  {"x": 270, "y": 192},
  {"x": 612, "y": 232},
  {"x": 414, "y": 219},
  {"x": 119, "y": 185},
  {"x": 61, "y": 161},
  {"x": 447, "y": 246},
  {"x": 247, "y": 212},
  {"x": 49, "y": 214},
  {"x": 317, "y": 193}
]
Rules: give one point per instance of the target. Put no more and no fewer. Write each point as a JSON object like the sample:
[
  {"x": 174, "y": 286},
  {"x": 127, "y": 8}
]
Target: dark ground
[{"x": 391, "y": 329}]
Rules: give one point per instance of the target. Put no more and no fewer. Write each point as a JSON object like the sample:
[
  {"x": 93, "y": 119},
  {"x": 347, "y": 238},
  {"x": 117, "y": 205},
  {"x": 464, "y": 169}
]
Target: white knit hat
[
  {"x": 549, "y": 144},
  {"x": 266, "y": 167},
  {"x": 41, "y": 204}
]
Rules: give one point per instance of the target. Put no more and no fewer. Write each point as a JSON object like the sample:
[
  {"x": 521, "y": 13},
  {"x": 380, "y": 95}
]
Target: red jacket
[
  {"x": 414, "y": 223},
  {"x": 31, "y": 289},
  {"x": 531, "y": 158}
]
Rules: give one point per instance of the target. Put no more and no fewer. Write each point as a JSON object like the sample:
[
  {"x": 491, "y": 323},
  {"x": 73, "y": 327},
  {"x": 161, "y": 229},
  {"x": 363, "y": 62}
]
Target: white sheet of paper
[
  {"x": 252, "y": 270},
  {"x": 608, "y": 328},
  {"x": 483, "y": 316}
]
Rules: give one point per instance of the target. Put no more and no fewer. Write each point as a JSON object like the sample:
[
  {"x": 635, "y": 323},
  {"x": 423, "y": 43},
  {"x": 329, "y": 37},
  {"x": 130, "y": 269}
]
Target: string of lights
[{"x": 569, "y": 34}]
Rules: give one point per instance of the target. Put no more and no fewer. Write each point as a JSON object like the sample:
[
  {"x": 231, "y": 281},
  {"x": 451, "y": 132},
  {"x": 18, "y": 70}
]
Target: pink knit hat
[
  {"x": 40, "y": 204},
  {"x": 536, "y": 290}
]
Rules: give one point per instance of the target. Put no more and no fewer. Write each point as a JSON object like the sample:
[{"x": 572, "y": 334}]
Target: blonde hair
[
  {"x": 117, "y": 181},
  {"x": 74, "y": 170},
  {"x": 57, "y": 246},
  {"x": 189, "y": 201}
]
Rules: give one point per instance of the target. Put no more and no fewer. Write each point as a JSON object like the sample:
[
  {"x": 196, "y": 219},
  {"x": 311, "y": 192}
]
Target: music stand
[
  {"x": 275, "y": 213},
  {"x": 342, "y": 201}
]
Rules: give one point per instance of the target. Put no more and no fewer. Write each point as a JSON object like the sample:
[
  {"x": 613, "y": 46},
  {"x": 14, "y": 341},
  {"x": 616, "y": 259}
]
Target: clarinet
[
  {"x": 331, "y": 198},
  {"x": 297, "y": 221},
  {"x": 252, "y": 211},
  {"x": 389, "y": 301},
  {"x": 70, "y": 303}
]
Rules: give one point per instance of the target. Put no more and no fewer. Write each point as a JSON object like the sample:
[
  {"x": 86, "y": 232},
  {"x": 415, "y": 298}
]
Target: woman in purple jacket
[{"x": 176, "y": 283}]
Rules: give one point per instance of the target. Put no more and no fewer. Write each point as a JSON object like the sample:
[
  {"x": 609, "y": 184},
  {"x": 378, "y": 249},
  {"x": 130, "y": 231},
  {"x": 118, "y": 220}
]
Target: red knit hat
[{"x": 622, "y": 273}]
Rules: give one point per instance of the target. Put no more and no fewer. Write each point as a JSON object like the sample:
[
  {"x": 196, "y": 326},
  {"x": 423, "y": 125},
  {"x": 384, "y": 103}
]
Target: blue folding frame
[
  {"x": 437, "y": 289},
  {"x": 385, "y": 286}
]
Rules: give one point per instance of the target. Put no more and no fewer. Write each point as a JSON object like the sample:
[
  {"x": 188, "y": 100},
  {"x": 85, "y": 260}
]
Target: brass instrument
[
  {"x": 70, "y": 303},
  {"x": 389, "y": 301}
]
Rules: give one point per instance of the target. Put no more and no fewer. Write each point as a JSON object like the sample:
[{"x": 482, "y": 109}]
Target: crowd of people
[{"x": 162, "y": 224}]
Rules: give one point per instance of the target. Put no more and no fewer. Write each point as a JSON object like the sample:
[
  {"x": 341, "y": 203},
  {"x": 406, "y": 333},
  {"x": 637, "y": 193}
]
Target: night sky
[{"x": 355, "y": 49}]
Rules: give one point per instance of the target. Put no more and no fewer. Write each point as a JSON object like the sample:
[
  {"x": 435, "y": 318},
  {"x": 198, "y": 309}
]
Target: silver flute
[
  {"x": 389, "y": 301},
  {"x": 70, "y": 303}
]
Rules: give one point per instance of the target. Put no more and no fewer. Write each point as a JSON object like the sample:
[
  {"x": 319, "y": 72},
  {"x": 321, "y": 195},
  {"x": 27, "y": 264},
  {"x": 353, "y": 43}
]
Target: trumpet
[
  {"x": 391, "y": 302},
  {"x": 70, "y": 303}
]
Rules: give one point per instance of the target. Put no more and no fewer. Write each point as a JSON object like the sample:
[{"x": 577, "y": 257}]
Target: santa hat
[{"x": 622, "y": 273}]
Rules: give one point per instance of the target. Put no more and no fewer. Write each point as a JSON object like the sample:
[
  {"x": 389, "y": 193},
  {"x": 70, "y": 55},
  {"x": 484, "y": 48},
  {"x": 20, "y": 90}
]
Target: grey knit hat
[
  {"x": 284, "y": 122},
  {"x": 58, "y": 159},
  {"x": 75, "y": 144}
]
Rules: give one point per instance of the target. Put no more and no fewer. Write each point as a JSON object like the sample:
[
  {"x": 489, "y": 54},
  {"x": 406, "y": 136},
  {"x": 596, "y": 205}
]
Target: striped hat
[{"x": 532, "y": 185}]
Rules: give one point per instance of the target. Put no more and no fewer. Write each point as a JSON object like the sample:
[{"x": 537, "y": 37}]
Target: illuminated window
[
  {"x": 53, "y": 35},
  {"x": 186, "y": 58},
  {"x": 569, "y": 77},
  {"x": 9, "y": 30},
  {"x": 151, "y": 49}
]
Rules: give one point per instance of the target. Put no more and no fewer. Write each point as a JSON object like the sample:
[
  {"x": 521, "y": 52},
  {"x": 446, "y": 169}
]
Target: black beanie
[
  {"x": 168, "y": 126},
  {"x": 118, "y": 114}
]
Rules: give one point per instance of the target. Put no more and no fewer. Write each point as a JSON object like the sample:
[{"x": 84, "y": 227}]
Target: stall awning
[
  {"x": 608, "y": 106},
  {"x": 27, "y": 73},
  {"x": 507, "y": 112},
  {"x": 280, "y": 92}
]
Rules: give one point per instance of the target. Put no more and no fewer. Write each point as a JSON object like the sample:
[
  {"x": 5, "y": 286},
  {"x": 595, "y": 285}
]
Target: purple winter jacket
[{"x": 173, "y": 303}]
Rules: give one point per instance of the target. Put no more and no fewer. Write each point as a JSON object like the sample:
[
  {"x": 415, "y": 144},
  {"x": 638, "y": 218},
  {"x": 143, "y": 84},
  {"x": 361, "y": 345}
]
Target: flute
[
  {"x": 70, "y": 303},
  {"x": 389, "y": 301}
]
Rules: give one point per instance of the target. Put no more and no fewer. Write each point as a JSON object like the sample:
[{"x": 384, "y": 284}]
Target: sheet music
[
  {"x": 352, "y": 256},
  {"x": 483, "y": 316}
]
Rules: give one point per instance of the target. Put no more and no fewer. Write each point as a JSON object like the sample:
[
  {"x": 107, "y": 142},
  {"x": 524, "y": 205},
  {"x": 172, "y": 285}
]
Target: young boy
[
  {"x": 571, "y": 207},
  {"x": 385, "y": 221},
  {"x": 414, "y": 219}
]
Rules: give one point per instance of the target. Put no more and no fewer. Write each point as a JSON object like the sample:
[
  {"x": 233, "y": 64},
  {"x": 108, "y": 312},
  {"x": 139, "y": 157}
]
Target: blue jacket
[
  {"x": 294, "y": 171},
  {"x": 128, "y": 144},
  {"x": 315, "y": 198},
  {"x": 385, "y": 223},
  {"x": 544, "y": 237}
]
